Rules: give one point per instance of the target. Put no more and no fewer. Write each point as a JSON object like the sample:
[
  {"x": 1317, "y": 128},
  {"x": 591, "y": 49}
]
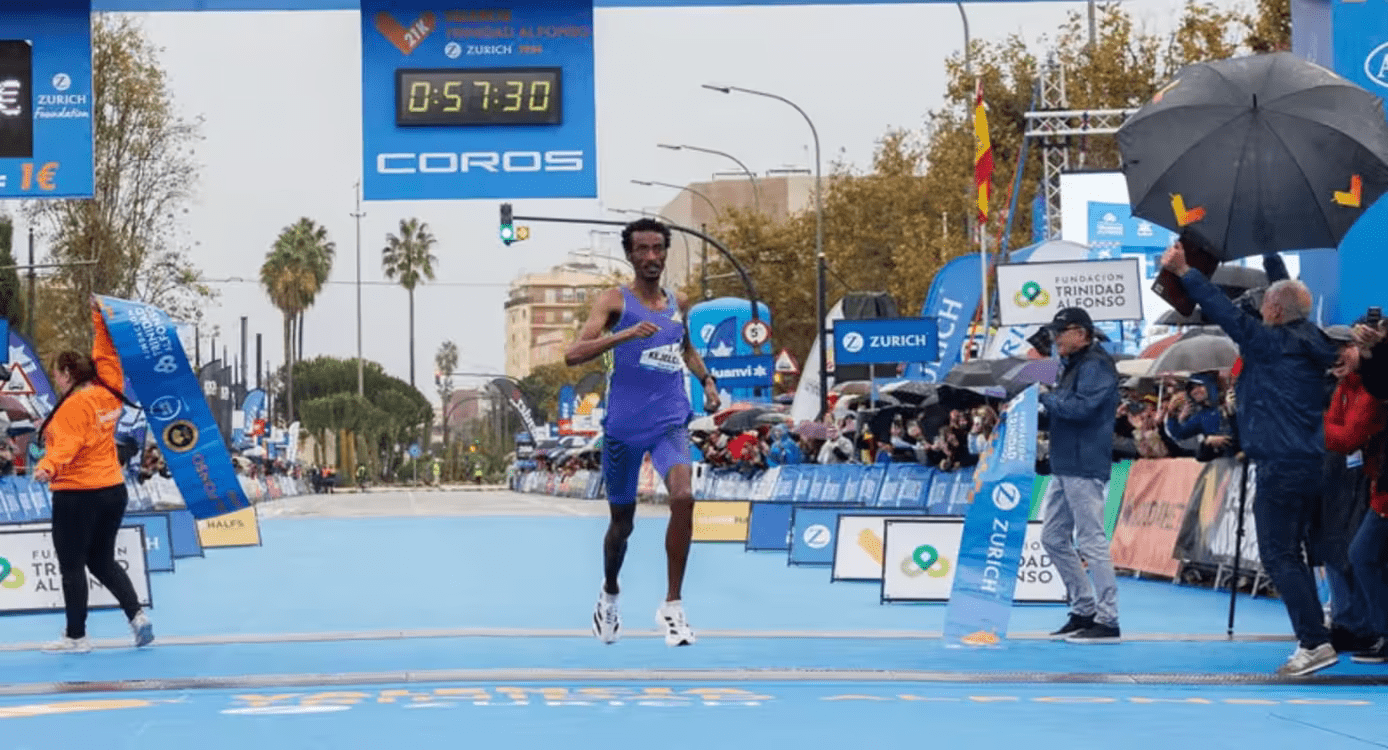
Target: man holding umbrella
[{"x": 1281, "y": 398}]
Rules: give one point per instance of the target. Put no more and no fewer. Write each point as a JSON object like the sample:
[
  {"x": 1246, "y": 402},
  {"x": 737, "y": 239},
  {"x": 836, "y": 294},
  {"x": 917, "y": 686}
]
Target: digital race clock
[{"x": 479, "y": 96}]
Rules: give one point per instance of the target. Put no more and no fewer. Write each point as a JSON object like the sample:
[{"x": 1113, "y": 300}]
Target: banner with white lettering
[
  {"x": 954, "y": 297},
  {"x": 178, "y": 415},
  {"x": 1033, "y": 292},
  {"x": 990, "y": 550}
]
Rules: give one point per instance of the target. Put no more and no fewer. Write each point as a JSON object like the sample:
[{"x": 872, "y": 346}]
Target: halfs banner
[
  {"x": 460, "y": 102},
  {"x": 177, "y": 413},
  {"x": 990, "y": 550},
  {"x": 1031, "y": 293},
  {"x": 45, "y": 99}
]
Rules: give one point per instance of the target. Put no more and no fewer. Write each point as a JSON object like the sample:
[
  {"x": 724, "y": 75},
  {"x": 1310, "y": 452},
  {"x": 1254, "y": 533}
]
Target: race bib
[
  {"x": 1354, "y": 460},
  {"x": 663, "y": 358}
]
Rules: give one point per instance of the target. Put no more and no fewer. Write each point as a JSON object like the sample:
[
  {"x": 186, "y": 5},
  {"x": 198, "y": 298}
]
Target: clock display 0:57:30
[{"x": 479, "y": 96}]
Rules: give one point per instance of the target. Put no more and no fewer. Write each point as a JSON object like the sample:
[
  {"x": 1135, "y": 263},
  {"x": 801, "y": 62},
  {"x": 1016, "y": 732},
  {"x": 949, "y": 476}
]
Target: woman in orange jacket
[{"x": 89, "y": 495}]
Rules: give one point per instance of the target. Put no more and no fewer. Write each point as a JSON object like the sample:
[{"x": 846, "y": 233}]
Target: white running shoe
[
  {"x": 142, "y": 628},
  {"x": 66, "y": 645},
  {"x": 1304, "y": 662},
  {"x": 607, "y": 620},
  {"x": 670, "y": 618}
]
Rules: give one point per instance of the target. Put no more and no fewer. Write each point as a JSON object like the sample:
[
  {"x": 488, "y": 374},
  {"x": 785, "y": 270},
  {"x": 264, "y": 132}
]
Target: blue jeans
[
  {"x": 1287, "y": 495},
  {"x": 1369, "y": 555}
]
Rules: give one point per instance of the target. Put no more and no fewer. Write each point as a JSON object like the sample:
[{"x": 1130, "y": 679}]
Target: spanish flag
[{"x": 983, "y": 155}]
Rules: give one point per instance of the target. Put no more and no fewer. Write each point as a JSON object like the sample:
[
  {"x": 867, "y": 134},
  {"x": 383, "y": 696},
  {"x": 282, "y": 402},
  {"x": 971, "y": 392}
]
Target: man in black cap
[{"x": 1081, "y": 408}]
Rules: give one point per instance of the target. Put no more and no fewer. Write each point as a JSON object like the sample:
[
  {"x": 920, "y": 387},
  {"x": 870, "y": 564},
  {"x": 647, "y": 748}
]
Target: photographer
[{"x": 1198, "y": 416}]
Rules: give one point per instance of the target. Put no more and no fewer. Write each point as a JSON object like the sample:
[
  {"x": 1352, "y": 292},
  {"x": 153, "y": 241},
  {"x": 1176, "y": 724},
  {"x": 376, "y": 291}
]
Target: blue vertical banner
[
  {"x": 253, "y": 423},
  {"x": 464, "y": 102},
  {"x": 192, "y": 445},
  {"x": 1360, "y": 35},
  {"x": 995, "y": 527},
  {"x": 722, "y": 331},
  {"x": 46, "y": 99},
  {"x": 953, "y": 299},
  {"x": 566, "y": 409}
]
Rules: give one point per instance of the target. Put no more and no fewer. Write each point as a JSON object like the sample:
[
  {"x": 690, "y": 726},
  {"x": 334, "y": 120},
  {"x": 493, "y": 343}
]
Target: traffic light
[{"x": 508, "y": 228}]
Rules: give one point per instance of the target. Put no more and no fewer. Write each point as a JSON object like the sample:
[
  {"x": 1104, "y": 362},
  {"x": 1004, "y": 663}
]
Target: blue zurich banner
[
  {"x": 881, "y": 341},
  {"x": 45, "y": 99},
  {"x": 477, "y": 103},
  {"x": 995, "y": 528},
  {"x": 953, "y": 299},
  {"x": 157, "y": 367}
]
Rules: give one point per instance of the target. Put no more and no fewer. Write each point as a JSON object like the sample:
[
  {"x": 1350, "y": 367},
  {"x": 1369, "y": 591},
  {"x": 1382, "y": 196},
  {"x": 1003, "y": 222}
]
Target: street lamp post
[
  {"x": 818, "y": 239},
  {"x": 652, "y": 183},
  {"x": 752, "y": 177},
  {"x": 361, "y": 370}
]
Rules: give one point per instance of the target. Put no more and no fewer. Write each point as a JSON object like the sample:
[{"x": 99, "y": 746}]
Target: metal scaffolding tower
[{"x": 1056, "y": 127}]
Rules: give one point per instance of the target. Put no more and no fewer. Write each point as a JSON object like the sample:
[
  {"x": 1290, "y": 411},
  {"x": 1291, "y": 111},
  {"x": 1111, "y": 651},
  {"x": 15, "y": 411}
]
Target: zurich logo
[
  {"x": 1006, "y": 497},
  {"x": 853, "y": 342},
  {"x": 1376, "y": 65},
  {"x": 62, "y": 82}
]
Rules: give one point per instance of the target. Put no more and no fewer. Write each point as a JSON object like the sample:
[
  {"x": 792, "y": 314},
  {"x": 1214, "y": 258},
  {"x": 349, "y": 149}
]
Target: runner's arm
[
  {"x": 590, "y": 343},
  {"x": 692, "y": 360}
]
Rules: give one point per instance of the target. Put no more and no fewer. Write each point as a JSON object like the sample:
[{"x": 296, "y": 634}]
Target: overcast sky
[{"x": 281, "y": 94}]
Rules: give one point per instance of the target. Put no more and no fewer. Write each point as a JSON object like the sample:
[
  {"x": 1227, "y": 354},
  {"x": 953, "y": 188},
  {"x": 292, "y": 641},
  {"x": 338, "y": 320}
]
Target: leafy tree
[
  {"x": 145, "y": 174},
  {"x": 445, "y": 362},
  {"x": 393, "y": 414},
  {"x": 407, "y": 258},
  {"x": 11, "y": 299},
  {"x": 543, "y": 383},
  {"x": 892, "y": 227}
]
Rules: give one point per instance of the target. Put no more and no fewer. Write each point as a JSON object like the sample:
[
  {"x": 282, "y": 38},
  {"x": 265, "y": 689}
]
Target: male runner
[{"x": 647, "y": 411}]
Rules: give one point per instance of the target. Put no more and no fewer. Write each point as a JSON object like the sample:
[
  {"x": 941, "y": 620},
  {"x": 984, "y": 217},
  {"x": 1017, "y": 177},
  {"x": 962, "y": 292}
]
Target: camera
[
  {"x": 1373, "y": 316},
  {"x": 1042, "y": 341}
]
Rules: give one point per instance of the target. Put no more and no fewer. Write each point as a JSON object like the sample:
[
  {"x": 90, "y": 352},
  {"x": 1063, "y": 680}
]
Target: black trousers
[{"x": 85, "y": 524}]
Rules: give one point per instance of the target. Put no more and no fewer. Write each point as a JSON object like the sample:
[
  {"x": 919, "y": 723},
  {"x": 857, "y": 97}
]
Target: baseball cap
[{"x": 1071, "y": 316}]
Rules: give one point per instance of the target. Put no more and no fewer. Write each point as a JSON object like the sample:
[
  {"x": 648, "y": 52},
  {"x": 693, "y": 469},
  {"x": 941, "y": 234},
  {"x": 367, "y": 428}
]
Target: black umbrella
[{"x": 1257, "y": 154}]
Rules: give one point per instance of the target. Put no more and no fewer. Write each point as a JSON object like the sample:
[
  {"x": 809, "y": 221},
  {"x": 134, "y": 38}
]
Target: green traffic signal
[{"x": 508, "y": 229}]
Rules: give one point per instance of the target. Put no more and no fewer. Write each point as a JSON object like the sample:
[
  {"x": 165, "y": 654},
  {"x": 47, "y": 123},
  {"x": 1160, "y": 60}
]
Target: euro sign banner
[
  {"x": 995, "y": 528},
  {"x": 157, "y": 368}
]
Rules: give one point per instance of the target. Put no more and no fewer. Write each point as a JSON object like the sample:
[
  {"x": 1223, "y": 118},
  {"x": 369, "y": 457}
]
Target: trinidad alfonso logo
[{"x": 1031, "y": 293}]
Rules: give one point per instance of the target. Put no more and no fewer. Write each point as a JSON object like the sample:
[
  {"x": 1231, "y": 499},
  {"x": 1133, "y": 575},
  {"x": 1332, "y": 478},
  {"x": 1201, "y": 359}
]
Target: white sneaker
[
  {"x": 1304, "y": 662},
  {"x": 142, "y": 628},
  {"x": 607, "y": 620},
  {"x": 66, "y": 645},
  {"x": 670, "y": 617}
]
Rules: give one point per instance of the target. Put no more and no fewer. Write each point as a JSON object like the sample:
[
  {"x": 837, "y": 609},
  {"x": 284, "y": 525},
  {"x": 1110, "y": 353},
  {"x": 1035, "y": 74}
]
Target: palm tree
[
  {"x": 406, "y": 258},
  {"x": 294, "y": 271},
  {"x": 445, "y": 362}
]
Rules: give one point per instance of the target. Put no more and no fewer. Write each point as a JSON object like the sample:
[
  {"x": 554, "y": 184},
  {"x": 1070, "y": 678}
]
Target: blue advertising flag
[
  {"x": 716, "y": 329},
  {"x": 995, "y": 527},
  {"x": 566, "y": 409},
  {"x": 953, "y": 298},
  {"x": 157, "y": 367}
]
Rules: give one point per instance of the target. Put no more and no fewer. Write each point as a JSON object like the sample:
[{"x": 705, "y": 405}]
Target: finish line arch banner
[
  {"x": 464, "y": 103},
  {"x": 157, "y": 367}
]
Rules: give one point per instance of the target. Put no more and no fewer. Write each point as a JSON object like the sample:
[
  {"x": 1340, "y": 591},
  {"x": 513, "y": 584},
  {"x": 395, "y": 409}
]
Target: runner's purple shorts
[{"x": 621, "y": 460}]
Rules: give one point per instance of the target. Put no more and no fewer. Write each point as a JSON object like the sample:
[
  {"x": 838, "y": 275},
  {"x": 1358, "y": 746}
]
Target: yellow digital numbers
[
  {"x": 450, "y": 92},
  {"x": 513, "y": 96}
]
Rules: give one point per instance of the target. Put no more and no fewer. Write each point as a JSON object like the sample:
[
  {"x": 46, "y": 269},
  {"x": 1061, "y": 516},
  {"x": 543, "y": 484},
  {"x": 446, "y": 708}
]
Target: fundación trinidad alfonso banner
[
  {"x": 1032, "y": 293},
  {"x": 157, "y": 367}
]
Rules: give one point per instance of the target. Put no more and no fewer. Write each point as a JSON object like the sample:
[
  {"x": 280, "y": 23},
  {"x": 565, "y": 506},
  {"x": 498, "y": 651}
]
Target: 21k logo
[{"x": 406, "y": 39}]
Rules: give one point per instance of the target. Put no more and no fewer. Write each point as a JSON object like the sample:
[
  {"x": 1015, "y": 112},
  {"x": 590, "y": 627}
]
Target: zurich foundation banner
[
  {"x": 990, "y": 551},
  {"x": 183, "y": 425}
]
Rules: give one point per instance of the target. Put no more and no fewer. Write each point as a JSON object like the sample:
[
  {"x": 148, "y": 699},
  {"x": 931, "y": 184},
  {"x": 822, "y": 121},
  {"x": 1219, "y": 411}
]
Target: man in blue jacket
[
  {"x": 1081, "y": 409},
  {"x": 1281, "y": 408}
]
